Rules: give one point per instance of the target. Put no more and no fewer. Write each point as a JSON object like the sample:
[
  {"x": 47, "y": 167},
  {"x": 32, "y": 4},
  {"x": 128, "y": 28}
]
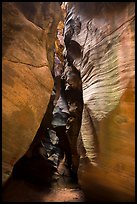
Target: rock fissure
[{"x": 31, "y": 65}]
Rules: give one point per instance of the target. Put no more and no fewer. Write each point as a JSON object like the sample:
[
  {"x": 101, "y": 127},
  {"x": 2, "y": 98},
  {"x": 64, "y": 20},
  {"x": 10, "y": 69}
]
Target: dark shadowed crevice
[{"x": 61, "y": 122}]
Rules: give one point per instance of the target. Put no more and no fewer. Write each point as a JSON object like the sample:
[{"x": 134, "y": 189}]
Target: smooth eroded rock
[{"x": 28, "y": 36}]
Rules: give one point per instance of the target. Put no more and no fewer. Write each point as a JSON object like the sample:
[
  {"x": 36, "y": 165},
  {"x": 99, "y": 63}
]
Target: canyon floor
[{"x": 64, "y": 189}]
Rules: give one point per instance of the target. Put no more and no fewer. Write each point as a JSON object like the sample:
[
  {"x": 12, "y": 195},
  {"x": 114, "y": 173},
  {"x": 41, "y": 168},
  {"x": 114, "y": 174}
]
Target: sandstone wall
[
  {"x": 28, "y": 36},
  {"x": 99, "y": 39}
]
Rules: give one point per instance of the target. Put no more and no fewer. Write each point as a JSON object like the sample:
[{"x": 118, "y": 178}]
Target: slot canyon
[{"x": 68, "y": 101}]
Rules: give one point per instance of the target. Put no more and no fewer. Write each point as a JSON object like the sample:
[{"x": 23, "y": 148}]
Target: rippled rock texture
[
  {"x": 28, "y": 36},
  {"x": 99, "y": 41}
]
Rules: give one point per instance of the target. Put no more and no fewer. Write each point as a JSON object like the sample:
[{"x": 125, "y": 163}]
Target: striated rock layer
[
  {"x": 99, "y": 40},
  {"x": 28, "y": 36}
]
